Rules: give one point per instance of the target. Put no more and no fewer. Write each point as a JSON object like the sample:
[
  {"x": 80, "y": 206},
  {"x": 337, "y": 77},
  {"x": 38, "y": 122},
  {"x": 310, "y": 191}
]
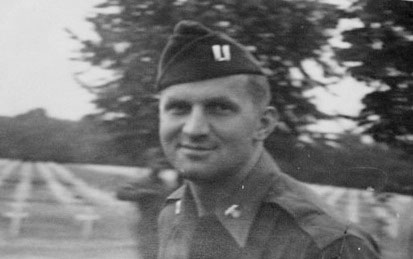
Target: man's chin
[{"x": 195, "y": 172}]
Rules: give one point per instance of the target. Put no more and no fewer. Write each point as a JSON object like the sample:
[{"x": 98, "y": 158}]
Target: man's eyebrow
[
  {"x": 213, "y": 99},
  {"x": 175, "y": 100},
  {"x": 219, "y": 99}
]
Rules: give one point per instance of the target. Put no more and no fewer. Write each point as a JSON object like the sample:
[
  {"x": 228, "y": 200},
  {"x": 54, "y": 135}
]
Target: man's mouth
[{"x": 196, "y": 147}]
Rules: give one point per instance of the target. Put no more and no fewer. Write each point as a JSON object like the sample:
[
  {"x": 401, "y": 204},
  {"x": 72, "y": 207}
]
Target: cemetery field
[{"x": 50, "y": 210}]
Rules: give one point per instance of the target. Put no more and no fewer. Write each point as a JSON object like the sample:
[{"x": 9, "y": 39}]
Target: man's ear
[{"x": 268, "y": 120}]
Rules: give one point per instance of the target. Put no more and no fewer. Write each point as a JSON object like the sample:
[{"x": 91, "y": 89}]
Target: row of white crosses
[
  {"x": 59, "y": 175},
  {"x": 6, "y": 170},
  {"x": 83, "y": 212},
  {"x": 87, "y": 192},
  {"x": 54, "y": 175},
  {"x": 333, "y": 195},
  {"x": 389, "y": 211},
  {"x": 21, "y": 194},
  {"x": 61, "y": 194},
  {"x": 83, "y": 189}
]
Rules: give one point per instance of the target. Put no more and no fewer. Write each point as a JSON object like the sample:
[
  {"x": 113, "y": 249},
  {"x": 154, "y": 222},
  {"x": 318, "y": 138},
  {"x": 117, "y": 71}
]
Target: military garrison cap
[{"x": 195, "y": 53}]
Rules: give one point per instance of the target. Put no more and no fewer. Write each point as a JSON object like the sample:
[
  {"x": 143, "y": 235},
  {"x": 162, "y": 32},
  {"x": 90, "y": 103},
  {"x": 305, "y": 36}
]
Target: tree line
[{"x": 34, "y": 136}]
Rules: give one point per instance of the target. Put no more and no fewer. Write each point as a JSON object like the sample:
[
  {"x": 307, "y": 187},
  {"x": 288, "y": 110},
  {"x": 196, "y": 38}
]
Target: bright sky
[
  {"x": 35, "y": 70},
  {"x": 343, "y": 97}
]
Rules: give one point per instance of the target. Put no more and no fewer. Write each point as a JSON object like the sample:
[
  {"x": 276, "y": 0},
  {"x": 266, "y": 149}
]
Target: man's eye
[
  {"x": 220, "y": 108},
  {"x": 177, "y": 108}
]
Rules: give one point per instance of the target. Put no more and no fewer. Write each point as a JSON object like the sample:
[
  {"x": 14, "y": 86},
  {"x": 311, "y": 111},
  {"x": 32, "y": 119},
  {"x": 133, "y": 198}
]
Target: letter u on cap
[{"x": 221, "y": 52}]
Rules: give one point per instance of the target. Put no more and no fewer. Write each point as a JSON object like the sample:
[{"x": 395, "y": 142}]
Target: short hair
[{"x": 259, "y": 89}]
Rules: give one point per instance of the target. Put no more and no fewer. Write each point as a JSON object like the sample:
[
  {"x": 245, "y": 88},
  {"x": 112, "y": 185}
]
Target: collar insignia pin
[
  {"x": 178, "y": 207},
  {"x": 233, "y": 211}
]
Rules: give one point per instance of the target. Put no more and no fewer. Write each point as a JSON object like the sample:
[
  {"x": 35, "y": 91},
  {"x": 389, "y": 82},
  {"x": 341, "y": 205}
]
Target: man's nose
[{"x": 196, "y": 123}]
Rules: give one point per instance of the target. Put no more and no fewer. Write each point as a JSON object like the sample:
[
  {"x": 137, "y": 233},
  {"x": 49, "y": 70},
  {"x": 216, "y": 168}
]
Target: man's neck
[{"x": 206, "y": 194}]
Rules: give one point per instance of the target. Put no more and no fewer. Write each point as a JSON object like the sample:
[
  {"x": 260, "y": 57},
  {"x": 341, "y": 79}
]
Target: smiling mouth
[{"x": 196, "y": 148}]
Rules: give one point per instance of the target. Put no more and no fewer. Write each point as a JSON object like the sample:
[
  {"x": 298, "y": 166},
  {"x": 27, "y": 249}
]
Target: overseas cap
[{"x": 196, "y": 53}]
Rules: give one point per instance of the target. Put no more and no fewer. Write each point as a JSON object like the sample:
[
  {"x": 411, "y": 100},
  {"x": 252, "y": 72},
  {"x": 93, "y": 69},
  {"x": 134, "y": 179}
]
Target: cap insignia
[{"x": 221, "y": 52}]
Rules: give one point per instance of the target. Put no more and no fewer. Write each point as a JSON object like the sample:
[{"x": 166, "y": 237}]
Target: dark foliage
[
  {"x": 34, "y": 136},
  {"x": 383, "y": 52}
]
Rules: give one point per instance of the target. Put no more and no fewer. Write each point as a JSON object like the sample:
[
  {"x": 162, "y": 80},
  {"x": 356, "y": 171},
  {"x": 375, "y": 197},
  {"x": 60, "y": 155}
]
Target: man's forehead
[
  {"x": 214, "y": 83},
  {"x": 204, "y": 99},
  {"x": 225, "y": 87}
]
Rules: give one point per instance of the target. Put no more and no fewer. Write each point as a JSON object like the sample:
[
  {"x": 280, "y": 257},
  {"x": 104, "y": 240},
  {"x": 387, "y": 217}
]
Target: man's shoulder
[{"x": 310, "y": 214}]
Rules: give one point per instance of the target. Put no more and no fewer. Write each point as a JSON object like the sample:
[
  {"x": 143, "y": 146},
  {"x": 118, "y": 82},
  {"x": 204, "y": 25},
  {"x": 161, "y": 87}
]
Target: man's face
[{"x": 208, "y": 128}]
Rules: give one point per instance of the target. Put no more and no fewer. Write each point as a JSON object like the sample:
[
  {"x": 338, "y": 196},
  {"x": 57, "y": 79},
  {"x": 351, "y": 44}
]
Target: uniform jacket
[{"x": 270, "y": 215}]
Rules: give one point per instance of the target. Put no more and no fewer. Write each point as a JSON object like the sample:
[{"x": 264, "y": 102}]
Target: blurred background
[{"x": 78, "y": 114}]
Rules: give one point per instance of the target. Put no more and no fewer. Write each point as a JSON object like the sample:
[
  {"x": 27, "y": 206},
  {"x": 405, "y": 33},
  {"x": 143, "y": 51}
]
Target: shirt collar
[{"x": 237, "y": 211}]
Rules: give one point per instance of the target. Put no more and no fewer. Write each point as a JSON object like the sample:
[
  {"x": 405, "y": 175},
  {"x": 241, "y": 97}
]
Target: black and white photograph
[{"x": 206, "y": 129}]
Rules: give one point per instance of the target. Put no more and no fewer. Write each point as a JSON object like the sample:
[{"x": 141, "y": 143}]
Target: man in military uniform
[{"x": 235, "y": 202}]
